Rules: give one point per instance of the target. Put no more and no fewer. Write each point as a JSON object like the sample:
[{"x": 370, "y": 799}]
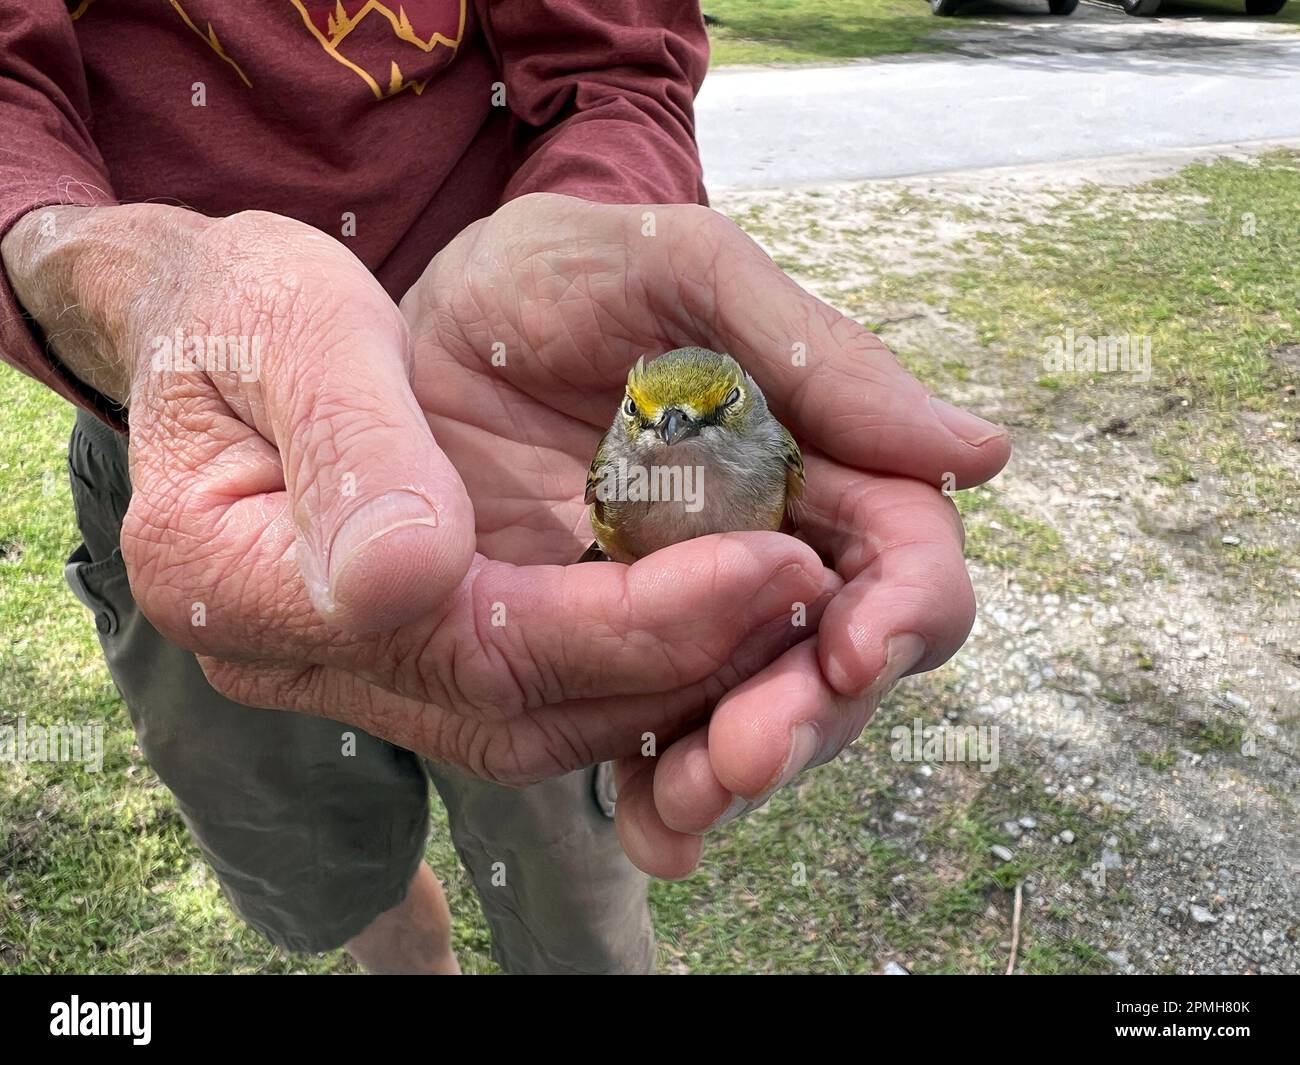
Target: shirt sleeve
[
  {"x": 47, "y": 158},
  {"x": 601, "y": 93}
]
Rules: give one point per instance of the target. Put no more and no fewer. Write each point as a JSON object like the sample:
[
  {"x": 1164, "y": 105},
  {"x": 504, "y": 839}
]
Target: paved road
[{"x": 1024, "y": 90}]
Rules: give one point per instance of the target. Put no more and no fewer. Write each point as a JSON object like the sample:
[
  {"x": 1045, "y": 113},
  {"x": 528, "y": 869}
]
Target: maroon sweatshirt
[{"x": 390, "y": 126}]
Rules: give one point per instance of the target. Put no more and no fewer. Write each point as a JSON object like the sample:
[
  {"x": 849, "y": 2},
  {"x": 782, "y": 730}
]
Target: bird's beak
[{"x": 675, "y": 425}]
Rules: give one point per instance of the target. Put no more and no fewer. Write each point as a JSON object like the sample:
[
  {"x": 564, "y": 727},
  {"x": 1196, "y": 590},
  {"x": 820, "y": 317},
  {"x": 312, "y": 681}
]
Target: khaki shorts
[{"x": 310, "y": 846}]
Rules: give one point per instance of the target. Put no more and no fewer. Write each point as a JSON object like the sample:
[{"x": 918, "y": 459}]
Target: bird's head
[{"x": 688, "y": 393}]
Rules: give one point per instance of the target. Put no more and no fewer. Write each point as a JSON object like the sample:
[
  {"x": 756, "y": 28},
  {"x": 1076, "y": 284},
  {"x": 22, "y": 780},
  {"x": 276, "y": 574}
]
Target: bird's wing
[
  {"x": 795, "y": 478},
  {"x": 605, "y": 535},
  {"x": 593, "y": 472}
]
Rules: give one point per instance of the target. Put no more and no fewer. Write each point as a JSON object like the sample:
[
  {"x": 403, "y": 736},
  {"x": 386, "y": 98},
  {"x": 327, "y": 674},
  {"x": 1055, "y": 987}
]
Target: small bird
[{"x": 693, "y": 450}]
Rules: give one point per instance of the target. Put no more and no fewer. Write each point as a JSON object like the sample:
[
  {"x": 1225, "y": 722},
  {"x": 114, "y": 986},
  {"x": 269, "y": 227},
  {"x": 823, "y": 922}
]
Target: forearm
[
  {"x": 603, "y": 95},
  {"x": 83, "y": 273}
]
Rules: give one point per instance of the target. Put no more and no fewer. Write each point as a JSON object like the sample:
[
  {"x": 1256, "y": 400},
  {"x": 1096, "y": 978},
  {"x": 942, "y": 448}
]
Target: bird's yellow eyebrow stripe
[{"x": 687, "y": 390}]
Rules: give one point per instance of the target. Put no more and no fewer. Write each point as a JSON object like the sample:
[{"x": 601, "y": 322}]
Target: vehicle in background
[
  {"x": 1056, "y": 7},
  {"x": 1131, "y": 7},
  {"x": 1253, "y": 7}
]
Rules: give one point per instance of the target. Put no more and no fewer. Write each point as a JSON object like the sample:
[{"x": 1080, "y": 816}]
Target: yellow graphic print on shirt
[{"x": 390, "y": 50}]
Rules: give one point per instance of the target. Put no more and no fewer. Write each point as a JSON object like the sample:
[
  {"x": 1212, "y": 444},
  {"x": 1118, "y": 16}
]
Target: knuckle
[
  {"x": 521, "y": 208},
  {"x": 251, "y": 235},
  {"x": 277, "y": 272},
  {"x": 711, "y": 227}
]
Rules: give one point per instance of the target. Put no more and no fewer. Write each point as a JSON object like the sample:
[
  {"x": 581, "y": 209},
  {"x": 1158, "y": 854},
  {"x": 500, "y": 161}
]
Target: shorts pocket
[{"x": 98, "y": 585}]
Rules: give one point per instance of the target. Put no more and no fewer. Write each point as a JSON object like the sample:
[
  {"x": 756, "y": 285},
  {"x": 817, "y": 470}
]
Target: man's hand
[
  {"x": 295, "y": 522},
  {"x": 524, "y": 329}
]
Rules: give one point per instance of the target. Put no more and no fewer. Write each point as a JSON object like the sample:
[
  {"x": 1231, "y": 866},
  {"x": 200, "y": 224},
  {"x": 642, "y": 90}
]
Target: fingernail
[
  {"x": 964, "y": 425},
  {"x": 805, "y": 742},
  {"x": 371, "y": 522},
  {"x": 738, "y": 805},
  {"x": 902, "y": 653}
]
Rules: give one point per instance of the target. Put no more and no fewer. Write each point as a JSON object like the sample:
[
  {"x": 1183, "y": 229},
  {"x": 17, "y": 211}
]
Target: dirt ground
[{"x": 1159, "y": 692}]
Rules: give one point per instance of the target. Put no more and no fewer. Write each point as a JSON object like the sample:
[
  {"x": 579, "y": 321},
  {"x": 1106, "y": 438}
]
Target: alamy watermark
[
  {"x": 626, "y": 482},
  {"x": 920, "y": 742},
  {"x": 59, "y": 742},
  {"x": 210, "y": 353},
  {"x": 1080, "y": 353},
  {"x": 77, "y": 1018}
]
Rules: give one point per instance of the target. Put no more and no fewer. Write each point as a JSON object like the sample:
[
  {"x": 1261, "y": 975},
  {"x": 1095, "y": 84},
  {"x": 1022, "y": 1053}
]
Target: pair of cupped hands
[{"x": 381, "y": 524}]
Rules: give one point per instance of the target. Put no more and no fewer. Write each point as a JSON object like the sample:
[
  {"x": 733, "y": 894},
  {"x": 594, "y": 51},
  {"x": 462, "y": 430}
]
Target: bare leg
[{"x": 414, "y": 937}]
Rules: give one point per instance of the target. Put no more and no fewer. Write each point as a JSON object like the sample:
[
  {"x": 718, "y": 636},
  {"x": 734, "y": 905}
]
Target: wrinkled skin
[
  {"x": 444, "y": 618},
  {"x": 567, "y": 295}
]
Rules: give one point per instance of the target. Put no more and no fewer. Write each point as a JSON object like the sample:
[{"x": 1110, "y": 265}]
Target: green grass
[
  {"x": 97, "y": 870},
  {"x": 1009, "y": 540},
  {"x": 1160, "y": 761},
  {"x": 941, "y": 904},
  {"x": 826, "y": 31},
  {"x": 1205, "y": 268},
  {"x": 1217, "y": 734},
  {"x": 1203, "y": 264}
]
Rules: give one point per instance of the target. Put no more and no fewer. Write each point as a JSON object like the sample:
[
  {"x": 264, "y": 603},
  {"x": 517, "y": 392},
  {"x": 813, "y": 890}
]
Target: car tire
[
  {"x": 943, "y": 7},
  {"x": 1141, "y": 8},
  {"x": 1264, "y": 7},
  {"x": 1062, "y": 7}
]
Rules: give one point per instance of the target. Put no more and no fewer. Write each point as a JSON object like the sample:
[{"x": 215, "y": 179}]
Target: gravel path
[{"x": 1111, "y": 702}]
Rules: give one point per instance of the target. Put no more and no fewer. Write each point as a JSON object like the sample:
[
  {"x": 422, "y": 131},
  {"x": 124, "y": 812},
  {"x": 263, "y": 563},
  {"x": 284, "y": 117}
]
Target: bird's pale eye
[
  {"x": 629, "y": 407},
  {"x": 733, "y": 397}
]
